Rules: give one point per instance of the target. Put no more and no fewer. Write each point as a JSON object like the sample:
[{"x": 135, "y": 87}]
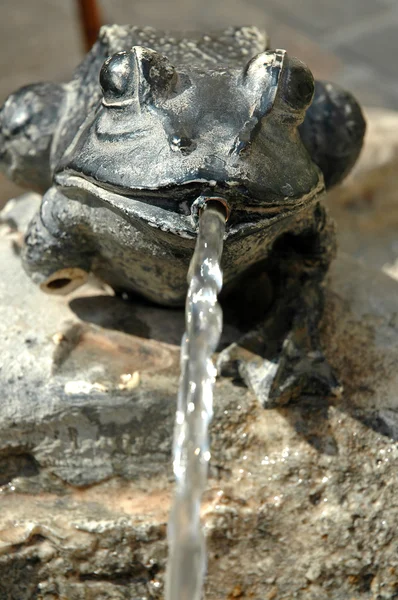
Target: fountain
[{"x": 118, "y": 163}]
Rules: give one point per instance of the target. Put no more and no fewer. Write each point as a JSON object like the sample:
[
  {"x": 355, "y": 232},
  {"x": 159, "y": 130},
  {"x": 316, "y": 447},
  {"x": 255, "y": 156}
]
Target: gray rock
[{"x": 300, "y": 501}]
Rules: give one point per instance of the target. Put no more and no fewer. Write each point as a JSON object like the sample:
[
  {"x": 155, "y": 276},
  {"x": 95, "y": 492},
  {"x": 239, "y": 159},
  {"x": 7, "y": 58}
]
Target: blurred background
[{"x": 352, "y": 42}]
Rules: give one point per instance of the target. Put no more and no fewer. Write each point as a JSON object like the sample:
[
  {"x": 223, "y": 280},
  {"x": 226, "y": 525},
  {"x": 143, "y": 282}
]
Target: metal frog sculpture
[{"x": 151, "y": 126}]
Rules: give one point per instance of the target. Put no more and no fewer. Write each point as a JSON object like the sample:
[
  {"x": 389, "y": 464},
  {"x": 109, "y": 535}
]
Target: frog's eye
[
  {"x": 156, "y": 70},
  {"x": 140, "y": 73},
  {"x": 116, "y": 78},
  {"x": 298, "y": 85}
]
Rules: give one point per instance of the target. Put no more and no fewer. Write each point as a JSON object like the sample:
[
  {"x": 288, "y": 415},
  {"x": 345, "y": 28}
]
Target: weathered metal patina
[{"x": 151, "y": 124}]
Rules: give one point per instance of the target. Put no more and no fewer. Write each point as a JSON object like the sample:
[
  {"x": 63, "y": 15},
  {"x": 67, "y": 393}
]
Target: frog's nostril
[{"x": 182, "y": 144}]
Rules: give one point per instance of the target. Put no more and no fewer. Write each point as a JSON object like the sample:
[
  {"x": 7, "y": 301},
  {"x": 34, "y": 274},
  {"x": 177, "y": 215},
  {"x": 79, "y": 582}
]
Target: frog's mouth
[{"x": 175, "y": 208}]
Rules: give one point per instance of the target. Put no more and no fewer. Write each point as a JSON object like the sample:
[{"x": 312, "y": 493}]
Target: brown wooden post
[{"x": 90, "y": 21}]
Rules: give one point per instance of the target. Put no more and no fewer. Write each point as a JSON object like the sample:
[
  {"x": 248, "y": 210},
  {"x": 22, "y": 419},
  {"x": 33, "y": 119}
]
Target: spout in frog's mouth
[{"x": 174, "y": 208}]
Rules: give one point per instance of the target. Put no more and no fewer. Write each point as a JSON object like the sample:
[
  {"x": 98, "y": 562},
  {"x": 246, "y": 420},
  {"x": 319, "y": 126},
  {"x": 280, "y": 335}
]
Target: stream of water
[{"x": 186, "y": 567}]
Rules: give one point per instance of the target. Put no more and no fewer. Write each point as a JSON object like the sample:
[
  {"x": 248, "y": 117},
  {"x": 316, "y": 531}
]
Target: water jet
[{"x": 191, "y": 448}]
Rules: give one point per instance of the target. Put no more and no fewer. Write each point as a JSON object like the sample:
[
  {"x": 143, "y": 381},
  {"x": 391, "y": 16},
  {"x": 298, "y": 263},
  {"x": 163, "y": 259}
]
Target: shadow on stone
[
  {"x": 132, "y": 316},
  {"x": 17, "y": 464},
  {"x": 310, "y": 419}
]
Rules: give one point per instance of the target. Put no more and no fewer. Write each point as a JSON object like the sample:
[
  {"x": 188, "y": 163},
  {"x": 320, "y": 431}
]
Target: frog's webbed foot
[
  {"x": 282, "y": 360},
  {"x": 299, "y": 370}
]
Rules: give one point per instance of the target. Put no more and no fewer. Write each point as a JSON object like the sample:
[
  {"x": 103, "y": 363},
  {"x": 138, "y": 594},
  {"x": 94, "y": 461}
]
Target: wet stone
[{"x": 301, "y": 501}]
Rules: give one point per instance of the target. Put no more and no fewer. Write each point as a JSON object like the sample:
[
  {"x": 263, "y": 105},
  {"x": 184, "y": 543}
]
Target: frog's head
[
  {"x": 163, "y": 136},
  {"x": 28, "y": 120}
]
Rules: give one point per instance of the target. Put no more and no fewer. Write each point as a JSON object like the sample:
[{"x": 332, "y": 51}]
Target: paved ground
[{"x": 353, "y": 42}]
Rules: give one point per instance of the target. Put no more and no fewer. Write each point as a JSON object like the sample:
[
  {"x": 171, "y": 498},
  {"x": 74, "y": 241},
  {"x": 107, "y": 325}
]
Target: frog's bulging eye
[
  {"x": 157, "y": 71},
  {"x": 298, "y": 85},
  {"x": 116, "y": 78},
  {"x": 140, "y": 73}
]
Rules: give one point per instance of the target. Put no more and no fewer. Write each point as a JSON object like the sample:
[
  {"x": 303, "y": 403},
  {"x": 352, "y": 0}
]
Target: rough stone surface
[{"x": 301, "y": 502}]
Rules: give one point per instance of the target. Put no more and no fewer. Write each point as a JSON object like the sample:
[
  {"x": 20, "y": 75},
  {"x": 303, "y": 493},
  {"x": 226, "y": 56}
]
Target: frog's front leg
[
  {"x": 297, "y": 268},
  {"x": 57, "y": 254},
  {"x": 304, "y": 260},
  {"x": 302, "y": 368}
]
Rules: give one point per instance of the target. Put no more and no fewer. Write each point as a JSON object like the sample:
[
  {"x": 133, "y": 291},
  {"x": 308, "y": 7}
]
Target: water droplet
[{"x": 206, "y": 455}]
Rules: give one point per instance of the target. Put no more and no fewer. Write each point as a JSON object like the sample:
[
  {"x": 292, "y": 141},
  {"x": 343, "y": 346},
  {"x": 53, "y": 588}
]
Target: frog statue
[{"x": 154, "y": 124}]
